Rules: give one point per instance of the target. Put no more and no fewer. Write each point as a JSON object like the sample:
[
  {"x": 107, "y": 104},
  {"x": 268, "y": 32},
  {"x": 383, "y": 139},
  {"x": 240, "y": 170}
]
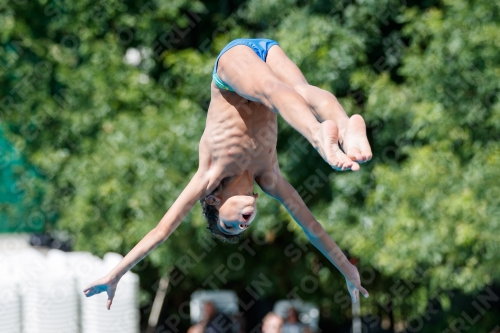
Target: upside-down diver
[{"x": 253, "y": 81}]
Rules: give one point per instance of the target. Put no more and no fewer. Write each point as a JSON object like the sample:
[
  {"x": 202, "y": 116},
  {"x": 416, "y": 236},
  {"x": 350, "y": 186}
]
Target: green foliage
[{"x": 116, "y": 142}]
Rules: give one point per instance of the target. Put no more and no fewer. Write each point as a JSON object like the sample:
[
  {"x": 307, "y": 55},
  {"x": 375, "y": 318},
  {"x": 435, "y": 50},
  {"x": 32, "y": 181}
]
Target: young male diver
[{"x": 253, "y": 81}]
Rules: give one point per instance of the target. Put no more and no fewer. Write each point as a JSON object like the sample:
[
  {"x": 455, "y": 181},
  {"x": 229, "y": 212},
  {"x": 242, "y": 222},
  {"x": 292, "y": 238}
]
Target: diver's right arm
[{"x": 194, "y": 191}]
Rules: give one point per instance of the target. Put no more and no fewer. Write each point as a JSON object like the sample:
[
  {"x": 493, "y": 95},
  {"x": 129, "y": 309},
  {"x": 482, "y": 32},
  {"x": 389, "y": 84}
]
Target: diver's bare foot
[
  {"x": 327, "y": 139},
  {"x": 355, "y": 144}
]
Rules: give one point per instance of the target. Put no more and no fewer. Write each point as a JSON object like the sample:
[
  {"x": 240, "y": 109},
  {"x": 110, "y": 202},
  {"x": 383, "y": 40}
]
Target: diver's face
[{"x": 236, "y": 213}]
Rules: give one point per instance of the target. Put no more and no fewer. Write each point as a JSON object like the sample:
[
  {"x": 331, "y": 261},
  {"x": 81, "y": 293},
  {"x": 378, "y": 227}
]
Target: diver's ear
[{"x": 212, "y": 200}]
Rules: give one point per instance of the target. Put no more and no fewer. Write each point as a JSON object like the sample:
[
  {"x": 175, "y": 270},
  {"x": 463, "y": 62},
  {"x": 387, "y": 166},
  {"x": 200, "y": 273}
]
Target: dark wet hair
[{"x": 211, "y": 215}]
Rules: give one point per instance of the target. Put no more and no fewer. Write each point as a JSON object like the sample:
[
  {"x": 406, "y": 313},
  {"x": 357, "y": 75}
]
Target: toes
[
  {"x": 355, "y": 157},
  {"x": 359, "y": 156},
  {"x": 345, "y": 165},
  {"x": 365, "y": 157},
  {"x": 354, "y": 154},
  {"x": 336, "y": 166}
]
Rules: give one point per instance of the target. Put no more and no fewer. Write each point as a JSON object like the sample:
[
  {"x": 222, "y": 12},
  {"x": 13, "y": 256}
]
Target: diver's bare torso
[{"x": 239, "y": 136}]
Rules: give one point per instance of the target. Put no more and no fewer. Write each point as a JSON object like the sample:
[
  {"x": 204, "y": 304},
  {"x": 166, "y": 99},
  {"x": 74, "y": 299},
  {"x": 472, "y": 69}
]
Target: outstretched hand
[
  {"x": 106, "y": 284},
  {"x": 354, "y": 284}
]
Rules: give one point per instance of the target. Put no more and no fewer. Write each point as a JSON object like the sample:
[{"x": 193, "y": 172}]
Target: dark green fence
[{"x": 14, "y": 214}]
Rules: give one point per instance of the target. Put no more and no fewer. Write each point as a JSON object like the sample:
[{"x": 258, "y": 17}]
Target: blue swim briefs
[{"x": 260, "y": 46}]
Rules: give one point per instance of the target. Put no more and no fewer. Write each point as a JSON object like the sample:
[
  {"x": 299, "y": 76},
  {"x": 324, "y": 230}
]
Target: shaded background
[{"x": 102, "y": 105}]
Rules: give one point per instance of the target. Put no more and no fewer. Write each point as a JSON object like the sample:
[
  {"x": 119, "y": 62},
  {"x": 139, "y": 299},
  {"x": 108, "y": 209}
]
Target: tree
[{"x": 107, "y": 100}]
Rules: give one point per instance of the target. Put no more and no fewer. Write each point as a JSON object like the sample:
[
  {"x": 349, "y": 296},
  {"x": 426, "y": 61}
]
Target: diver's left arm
[{"x": 285, "y": 193}]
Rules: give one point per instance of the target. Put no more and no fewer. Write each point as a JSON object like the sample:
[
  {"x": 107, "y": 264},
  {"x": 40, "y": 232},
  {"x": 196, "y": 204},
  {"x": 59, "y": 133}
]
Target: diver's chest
[
  {"x": 242, "y": 136},
  {"x": 251, "y": 152}
]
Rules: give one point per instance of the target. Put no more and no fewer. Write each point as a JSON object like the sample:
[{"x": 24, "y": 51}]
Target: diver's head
[{"x": 230, "y": 209}]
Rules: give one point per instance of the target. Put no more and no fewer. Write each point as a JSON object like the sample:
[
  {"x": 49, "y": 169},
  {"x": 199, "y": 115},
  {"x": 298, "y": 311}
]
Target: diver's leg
[
  {"x": 324, "y": 105},
  {"x": 254, "y": 80}
]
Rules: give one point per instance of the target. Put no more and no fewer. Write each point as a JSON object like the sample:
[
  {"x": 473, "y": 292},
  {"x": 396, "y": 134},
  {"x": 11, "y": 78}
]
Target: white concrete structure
[
  {"x": 10, "y": 305},
  {"x": 42, "y": 292}
]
